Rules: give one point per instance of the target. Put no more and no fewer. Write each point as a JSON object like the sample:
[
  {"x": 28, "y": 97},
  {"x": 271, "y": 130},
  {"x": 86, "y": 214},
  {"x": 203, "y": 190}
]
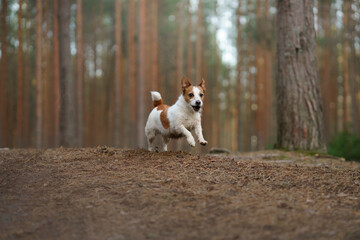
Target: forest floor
[{"x": 108, "y": 193}]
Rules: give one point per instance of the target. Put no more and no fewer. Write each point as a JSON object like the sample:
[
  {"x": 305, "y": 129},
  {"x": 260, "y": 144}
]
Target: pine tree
[
  {"x": 79, "y": 71},
  {"x": 299, "y": 110},
  {"x": 39, "y": 80},
  {"x": 67, "y": 114},
  {"x": 119, "y": 78},
  {"x": 19, "y": 117}
]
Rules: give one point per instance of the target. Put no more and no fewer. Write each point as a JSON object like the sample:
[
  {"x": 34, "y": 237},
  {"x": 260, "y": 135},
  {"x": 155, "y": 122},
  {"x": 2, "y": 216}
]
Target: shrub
[{"x": 345, "y": 145}]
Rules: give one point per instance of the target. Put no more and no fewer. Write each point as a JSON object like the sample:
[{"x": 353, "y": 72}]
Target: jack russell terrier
[{"x": 178, "y": 120}]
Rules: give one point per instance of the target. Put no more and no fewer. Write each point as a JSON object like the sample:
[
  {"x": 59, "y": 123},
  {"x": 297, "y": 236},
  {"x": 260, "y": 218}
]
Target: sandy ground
[{"x": 107, "y": 193}]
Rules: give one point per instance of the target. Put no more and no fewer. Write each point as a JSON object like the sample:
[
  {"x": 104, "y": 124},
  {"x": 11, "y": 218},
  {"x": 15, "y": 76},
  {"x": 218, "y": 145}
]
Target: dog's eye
[
  {"x": 191, "y": 95},
  {"x": 201, "y": 95}
]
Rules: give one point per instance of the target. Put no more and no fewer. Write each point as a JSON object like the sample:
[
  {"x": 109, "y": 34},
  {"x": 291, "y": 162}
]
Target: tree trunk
[
  {"x": 94, "y": 135},
  {"x": 119, "y": 78},
  {"x": 268, "y": 67},
  {"x": 67, "y": 116},
  {"x": 154, "y": 47},
  {"x": 248, "y": 89},
  {"x": 27, "y": 81},
  {"x": 345, "y": 46},
  {"x": 350, "y": 38},
  {"x": 199, "y": 72},
  {"x": 238, "y": 79},
  {"x": 47, "y": 100},
  {"x": 179, "y": 47},
  {"x": 19, "y": 117},
  {"x": 215, "y": 91},
  {"x": 39, "y": 88},
  {"x": 56, "y": 76},
  {"x": 189, "y": 43},
  {"x": 132, "y": 72},
  {"x": 3, "y": 76},
  {"x": 80, "y": 71},
  {"x": 142, "y": 74},
  {"x": 299, "y": 110}
]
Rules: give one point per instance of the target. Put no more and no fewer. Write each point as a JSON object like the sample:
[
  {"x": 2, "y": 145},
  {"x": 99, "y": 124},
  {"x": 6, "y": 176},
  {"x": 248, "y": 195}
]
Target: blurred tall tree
[
  {"x": 56, "y": 74},
  {"x": 67, "y": 116},
  {"x": 48, "y": 79},
  {"x": 142, "y": 73},
  {"x": 3, "y": 76},
  {"x": 189, "y": 42},
  {"x": 345, "y": 53},
  {"x": 79, "y": 71},
  {"x": 154, "y": 46},
  {"x": 132, "y": 72},
  {"x": 180, "y": 42},
  {"x": 199, "y": 26},
  {"x": 39, "y": 81},
  {"x": 350, "y": 41},
  {"x": 119, "y": 77},
  {"x": 19, "y": 117},
  {"x": 238, "y": 69}
]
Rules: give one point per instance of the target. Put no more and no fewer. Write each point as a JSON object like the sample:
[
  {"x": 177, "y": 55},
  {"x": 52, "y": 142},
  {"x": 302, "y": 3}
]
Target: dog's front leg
[
  {"x": 198, "y": 132},
  {"x": 189, "y": 138}
]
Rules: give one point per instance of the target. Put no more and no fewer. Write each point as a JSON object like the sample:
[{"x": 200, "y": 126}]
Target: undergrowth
[{"x": 345, "y": 145}]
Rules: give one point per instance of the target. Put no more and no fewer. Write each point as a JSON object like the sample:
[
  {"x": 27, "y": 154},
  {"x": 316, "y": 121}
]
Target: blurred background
[{"x": 122, "y": 49}]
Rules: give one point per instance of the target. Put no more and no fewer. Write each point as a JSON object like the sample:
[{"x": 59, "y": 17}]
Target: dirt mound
[{"x": 107, "y": 193}]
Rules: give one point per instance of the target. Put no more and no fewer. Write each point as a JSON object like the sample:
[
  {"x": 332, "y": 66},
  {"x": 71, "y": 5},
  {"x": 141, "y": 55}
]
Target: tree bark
[
  {"x": 47, "y": 100},
  {"x": 142, "y": 74},
  {"x": 3, "y": 76},
  {"x": 217, "y": 86},
  {"x": 238, "y": 79},
  {"x": 80, "y": 71},
  {"x": 346, "y": 95},
  {"x": 132, "y": 72},
  {"x": 27, "y": 79},
  {"x": 299, "y": 109},
  {"x": 268, "y": 68},
  {"x": 154, "y": 47},
  {"x": 199, "y": 72},
  {"x": 39, "y": 81},
  {"x": 189, "y": 43},
  {"x": 180, "y": 44},
  {"x": 19, "y": 117},
  {"x": 67, "y": 114},
  {"x": 56, "y": 64},
  {"x": 350, "y": 39},
  {"x": 119, "y": 78}
]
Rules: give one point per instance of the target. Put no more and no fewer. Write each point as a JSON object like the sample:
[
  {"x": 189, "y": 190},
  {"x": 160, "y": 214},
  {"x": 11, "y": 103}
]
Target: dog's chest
[{"x": 188, "y": 122}]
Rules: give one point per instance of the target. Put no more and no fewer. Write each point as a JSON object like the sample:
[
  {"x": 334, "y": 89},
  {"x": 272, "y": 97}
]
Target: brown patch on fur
[
  {"x": 157, "y": 103},
  {"x": 163, "y": 115},
  {"x": 185, "y": 83},
  {"x": 202, "y": 85},
  {"x": 186, "y": 93}
]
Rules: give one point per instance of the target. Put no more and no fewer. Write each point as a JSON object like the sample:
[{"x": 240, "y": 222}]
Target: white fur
[
  {"x": 155, "y": 96},
  {"x": 182, "y": 117}
]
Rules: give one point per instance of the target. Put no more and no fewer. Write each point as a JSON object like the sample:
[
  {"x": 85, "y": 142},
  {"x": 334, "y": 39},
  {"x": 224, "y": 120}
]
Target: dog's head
[{"x": 194, "y": 95}]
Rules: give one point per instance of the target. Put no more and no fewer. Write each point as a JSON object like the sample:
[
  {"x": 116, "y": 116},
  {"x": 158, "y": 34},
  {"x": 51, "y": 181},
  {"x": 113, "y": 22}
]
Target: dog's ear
[
  {"x": 202, "y": 84},
  {"x": 185, "y": 83}
]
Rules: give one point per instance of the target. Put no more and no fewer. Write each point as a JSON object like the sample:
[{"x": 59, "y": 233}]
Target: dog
[{"x": 178, "y": 120}]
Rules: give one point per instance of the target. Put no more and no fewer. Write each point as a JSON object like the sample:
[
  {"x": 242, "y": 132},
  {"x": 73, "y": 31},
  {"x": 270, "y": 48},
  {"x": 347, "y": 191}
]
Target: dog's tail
[{"x": 156, "y": 98}]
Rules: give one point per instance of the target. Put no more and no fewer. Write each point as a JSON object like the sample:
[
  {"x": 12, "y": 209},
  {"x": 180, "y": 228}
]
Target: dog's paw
[
  {"x": 191, "y": 142},
  {"x": 204, "y": 142}
]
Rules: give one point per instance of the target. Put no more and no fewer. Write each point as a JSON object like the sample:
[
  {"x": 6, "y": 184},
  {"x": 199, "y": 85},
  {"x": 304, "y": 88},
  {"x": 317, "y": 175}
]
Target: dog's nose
[{"x": 198, "y": 102}]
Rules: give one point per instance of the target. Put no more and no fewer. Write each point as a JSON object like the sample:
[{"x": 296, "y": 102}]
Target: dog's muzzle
[{"x": 196, "y": 108}]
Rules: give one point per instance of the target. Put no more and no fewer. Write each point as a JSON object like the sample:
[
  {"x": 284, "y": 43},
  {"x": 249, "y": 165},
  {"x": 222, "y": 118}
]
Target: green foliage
[{"x": 345, "y": 145}]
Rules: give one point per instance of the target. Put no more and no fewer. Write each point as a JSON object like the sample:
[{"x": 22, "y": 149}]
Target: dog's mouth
[{"x": 196, "y": 108}]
